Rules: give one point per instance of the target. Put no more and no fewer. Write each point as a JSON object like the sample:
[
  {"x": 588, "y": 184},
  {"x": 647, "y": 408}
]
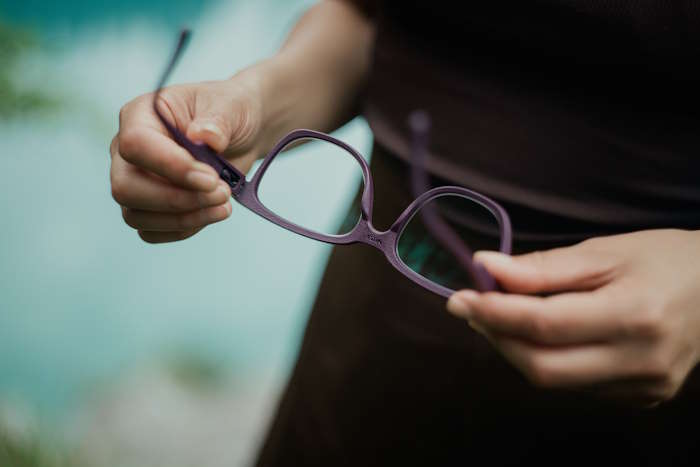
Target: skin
[
  {"x": 617, "y": 315},
  {"x": 614, "y": 315},
  {"x": 312, "y": 82}
]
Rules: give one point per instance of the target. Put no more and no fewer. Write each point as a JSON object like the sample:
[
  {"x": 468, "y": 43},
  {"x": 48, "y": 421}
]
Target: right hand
[{"x": 164, "y": 192}]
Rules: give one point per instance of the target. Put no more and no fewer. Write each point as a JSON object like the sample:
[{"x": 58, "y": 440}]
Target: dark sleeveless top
[{"x": 581, "y": 116}]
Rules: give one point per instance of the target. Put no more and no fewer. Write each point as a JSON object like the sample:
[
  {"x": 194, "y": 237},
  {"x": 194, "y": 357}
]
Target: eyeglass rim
[
  {"x": 246, "y": 193},
  {"x": 364, "y": 230}
]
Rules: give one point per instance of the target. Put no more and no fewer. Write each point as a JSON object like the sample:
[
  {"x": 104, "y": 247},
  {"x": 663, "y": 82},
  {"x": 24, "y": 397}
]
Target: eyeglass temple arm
[
  {"x": 203, "y": 153},
  {"x": 434, "y": 223}
]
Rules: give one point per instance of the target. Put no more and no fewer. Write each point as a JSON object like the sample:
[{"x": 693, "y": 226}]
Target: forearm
[{"x": 315, "y": 79}]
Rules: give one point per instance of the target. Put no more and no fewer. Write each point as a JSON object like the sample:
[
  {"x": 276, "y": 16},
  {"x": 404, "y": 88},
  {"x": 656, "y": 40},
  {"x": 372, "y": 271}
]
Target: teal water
[
  {"x": 82, "y": 299},
  {"x": 79, "y": 13}
]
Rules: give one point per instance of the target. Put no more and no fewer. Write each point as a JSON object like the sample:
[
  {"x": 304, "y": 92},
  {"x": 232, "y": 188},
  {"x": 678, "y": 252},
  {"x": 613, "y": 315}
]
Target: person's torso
[{"x": 581, "y": 116}]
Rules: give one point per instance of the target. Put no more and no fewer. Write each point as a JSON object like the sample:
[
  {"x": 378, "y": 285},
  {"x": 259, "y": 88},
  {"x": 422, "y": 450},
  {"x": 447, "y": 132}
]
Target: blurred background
[{"x": 114, "y": 352}]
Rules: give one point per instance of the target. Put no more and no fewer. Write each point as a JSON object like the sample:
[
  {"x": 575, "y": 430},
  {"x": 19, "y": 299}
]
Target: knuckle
[
  {"x": 129, "y": 218},
  {"x": 131, "y": 144},
  {"x": 122, "y": 113},
  {"x": 114, "y": 145},
  {"x": 648, "y": 323},
  {"x": 185, "y": 221},
  {"x": 599, "y": 247},
  {"x": 540, "y": 327},
  {"x": 178, "y": 200},
  {"x": 163, "y": 102},
  {"x": 130, "y": 140},
  {"x": 486, "y": 308},
  {"x": 131, "y": 106},
  {"x": 119, "y": 190},
  {"x": 658, "y": 366}
]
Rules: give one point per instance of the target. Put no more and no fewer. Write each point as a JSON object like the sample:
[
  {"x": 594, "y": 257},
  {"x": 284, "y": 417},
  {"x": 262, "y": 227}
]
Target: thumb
[
  {"x": 211, "y": 129},
  {"x": 558, "y": 270}
]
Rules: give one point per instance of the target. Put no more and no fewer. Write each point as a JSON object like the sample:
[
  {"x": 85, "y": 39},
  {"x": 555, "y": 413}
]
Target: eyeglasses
[{"x": 429, "y": 251}]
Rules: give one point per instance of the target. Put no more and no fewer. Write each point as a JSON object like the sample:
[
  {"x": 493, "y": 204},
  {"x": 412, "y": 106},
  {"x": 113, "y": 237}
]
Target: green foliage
[
  {"x": 16, "y": 452},
  {"x": 13, "y": 101},
  {"x": 194, "y": 371},
  {"x": 13, "y": 41}
]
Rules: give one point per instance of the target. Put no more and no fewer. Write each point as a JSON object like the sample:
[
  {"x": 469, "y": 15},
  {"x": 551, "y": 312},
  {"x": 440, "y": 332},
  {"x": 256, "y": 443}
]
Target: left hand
[{"x": 621, "y": 315}]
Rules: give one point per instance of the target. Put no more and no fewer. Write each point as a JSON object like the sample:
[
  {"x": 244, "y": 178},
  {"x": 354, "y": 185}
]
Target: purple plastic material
[{"x": 246, "y": 193}]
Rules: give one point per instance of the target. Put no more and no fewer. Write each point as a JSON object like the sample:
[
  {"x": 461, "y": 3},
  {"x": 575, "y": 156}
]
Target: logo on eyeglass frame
[{"x": 374, "y": 239}]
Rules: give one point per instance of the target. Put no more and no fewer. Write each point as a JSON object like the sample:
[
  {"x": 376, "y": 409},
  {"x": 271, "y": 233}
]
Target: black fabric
[
  {"x": 385, "y": 376},
  {"x": 583, "y": 112},
  {"x": 581, "y": 117}
]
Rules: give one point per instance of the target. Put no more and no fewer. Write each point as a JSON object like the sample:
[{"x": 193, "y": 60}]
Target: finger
[
  {"x": 165, "y": 237},
  {"x": 237, "y": 147},
  {"x": 166, "y": 222},
  {"x": 153, "y": 151},
  {"x": 553, "y": 367},
  {"x": 222, "y": 121},
  {"x": 634, "y": 392},
  {"x": 208, "y": 130},
  {"x": 134, "y": 188},
  {"x": 570, "y": 318},
  {"x": 562, "y": 269},
  {"x": 641, "y": 398}
]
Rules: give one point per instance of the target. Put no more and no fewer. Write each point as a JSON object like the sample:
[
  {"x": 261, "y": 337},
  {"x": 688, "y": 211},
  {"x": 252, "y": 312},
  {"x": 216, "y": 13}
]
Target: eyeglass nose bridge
[{"x": 366, "y": 233}]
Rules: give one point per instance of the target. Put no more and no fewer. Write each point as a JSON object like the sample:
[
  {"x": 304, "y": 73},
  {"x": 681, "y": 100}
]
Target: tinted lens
[
  {"x": 423, "y": 254},
  {"x": 311, "y": 184}
]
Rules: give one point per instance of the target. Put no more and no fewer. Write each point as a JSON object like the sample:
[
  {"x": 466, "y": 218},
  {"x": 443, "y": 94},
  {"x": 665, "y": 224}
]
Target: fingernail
[
  {"x": 214, "y": 198},
  {"x": 209, "y": 127},
  {"x": 477, "y": 327},
  {"x": 215, "y": 214},
  {"x": 202, "y": 167},
  {"x": 460, "y": 303},
  {"x": 223, "y": 187},
  {"x": 201, "y": 180},
  {"x": 503, "y": 261},
  {"x": 493, "y": 257}
]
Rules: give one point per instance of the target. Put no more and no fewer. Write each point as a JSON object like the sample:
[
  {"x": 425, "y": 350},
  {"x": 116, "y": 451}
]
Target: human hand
[
  {"x": 621, "y": 315},
  {"x": 166, "y": 194}
]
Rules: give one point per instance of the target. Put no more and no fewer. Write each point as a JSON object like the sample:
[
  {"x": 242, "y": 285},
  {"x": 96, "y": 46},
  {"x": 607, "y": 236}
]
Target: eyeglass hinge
[{"x": 233, "y": 180}]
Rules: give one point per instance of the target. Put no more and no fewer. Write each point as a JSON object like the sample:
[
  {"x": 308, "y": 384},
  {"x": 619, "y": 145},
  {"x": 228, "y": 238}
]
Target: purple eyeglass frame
[{"x": 246, "y": 193}]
